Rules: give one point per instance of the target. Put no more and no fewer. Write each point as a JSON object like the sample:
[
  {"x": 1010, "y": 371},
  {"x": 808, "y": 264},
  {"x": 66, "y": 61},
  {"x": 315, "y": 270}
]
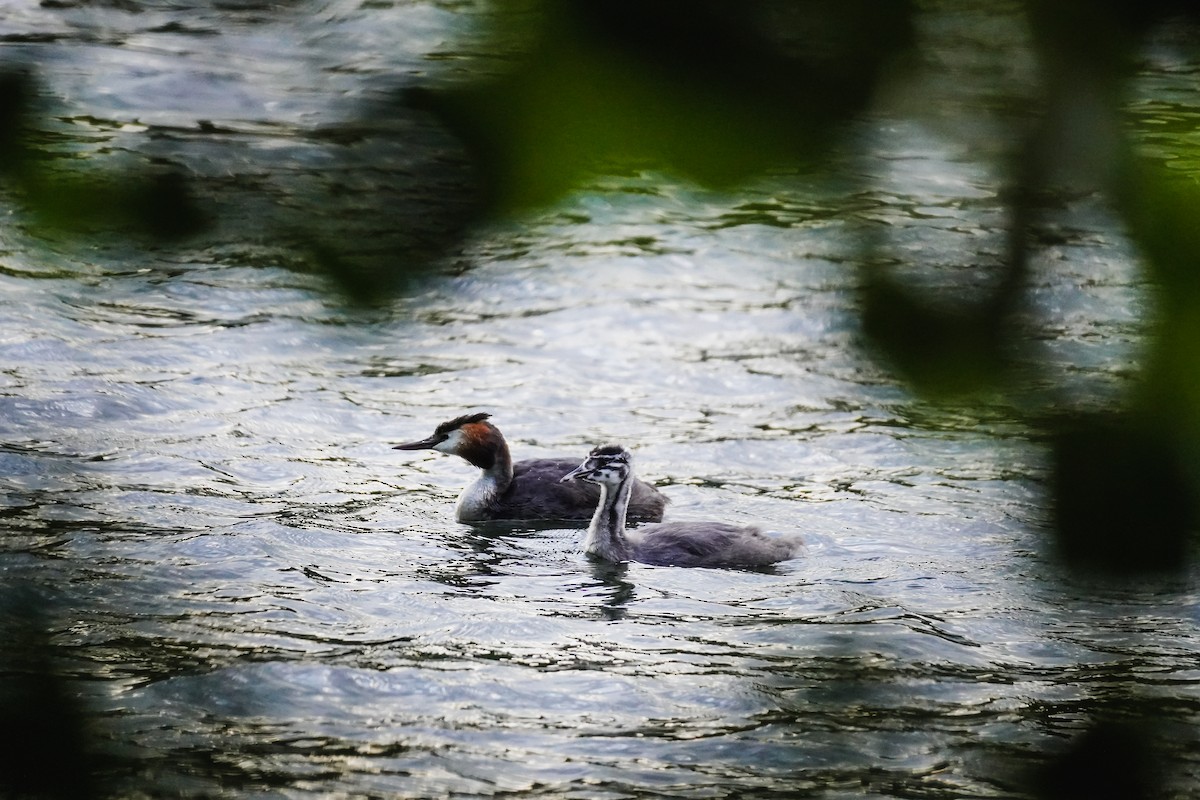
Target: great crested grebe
[
  {"x": 680, "y": 544},
  {"x": 528, "y": 489}
]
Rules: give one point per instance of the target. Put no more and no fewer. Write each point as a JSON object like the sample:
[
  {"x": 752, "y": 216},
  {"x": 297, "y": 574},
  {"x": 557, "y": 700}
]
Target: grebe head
[
  {"x": 470, "y": 436},
  {"x": 606, "y": 465}
]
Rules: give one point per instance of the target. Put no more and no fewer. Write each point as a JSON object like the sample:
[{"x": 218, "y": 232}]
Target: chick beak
[{"x": 582, "y": 471}]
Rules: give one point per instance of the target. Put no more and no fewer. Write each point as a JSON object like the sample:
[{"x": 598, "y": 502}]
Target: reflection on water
[{"x": 257, "y": 596}]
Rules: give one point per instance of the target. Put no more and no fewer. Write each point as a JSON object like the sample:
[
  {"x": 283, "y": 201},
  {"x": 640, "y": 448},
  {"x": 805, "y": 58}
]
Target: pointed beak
[
  {"x": 424, "y": 444},
  {"x": 581, "y": 471}
]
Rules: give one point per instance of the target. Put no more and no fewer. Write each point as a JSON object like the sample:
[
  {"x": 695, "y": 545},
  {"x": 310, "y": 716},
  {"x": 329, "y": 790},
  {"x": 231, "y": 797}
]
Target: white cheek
[{"x": 451, "y": 443}]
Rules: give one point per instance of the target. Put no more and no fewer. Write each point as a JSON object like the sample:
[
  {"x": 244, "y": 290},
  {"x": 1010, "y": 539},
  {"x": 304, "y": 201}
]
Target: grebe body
[
  {"x": 681, "y": 544},
  {"x": 527, "y": 490}
]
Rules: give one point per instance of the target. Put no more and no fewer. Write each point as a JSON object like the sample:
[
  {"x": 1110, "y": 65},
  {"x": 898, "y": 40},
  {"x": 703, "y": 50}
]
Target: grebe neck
[
  {"x": 481, "y": 496},
  {"x": 606, "y": 533}
]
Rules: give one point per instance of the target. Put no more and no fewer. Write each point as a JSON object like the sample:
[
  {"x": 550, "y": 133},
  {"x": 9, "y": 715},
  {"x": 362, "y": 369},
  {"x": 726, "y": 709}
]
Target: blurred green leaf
[
  {"x": 712, "y": 91},
  {"x": 79, "y": 198},
  {"x": 944, "y": 351}
]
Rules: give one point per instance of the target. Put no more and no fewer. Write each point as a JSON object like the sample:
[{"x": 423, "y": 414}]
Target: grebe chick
[
  {"x": 526, "y": 490},
  {"x": 680, "y": 544}
]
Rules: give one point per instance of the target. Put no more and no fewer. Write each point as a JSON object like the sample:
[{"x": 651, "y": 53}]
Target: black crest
[{"x": 458, "y": 422}]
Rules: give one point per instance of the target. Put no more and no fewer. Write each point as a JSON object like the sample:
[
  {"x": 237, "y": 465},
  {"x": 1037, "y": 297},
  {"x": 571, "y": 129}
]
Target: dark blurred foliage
[
  {"x": 1124, "y": 499},
  {"x": 44, "y": 737},
  {"x": 717, "y": 92},
  {"x": 1109, "y": 761},
  {"x": 156, "y": 205}
]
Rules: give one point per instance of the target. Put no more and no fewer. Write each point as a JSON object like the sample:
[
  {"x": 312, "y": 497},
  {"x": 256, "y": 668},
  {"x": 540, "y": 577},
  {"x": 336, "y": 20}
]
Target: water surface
[{"x": 258, "y": 597}]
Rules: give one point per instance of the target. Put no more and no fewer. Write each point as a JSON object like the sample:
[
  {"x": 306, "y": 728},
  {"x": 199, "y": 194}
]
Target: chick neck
[{"x": 606, "y": 533}]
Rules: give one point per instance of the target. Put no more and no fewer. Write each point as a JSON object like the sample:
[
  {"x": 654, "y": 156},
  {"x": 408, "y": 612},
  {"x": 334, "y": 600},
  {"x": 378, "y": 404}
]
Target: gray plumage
[
  {"x": 527, "y": 490},
  {"x": 680, "y": 544}
]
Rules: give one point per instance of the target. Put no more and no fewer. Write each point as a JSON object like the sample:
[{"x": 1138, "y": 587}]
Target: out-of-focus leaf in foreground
[
  {"x": 713, "y": 91},
  {"x": 78, "y": 197}
]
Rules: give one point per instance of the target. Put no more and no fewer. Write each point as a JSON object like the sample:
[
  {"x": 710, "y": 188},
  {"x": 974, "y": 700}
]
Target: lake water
[{"x": 257, "y": 597}]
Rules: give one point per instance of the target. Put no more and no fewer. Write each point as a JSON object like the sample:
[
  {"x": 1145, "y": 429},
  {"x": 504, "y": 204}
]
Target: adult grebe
[
  {"x": 525, "y": 490},
  {"x": 681, "y": 544}
]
